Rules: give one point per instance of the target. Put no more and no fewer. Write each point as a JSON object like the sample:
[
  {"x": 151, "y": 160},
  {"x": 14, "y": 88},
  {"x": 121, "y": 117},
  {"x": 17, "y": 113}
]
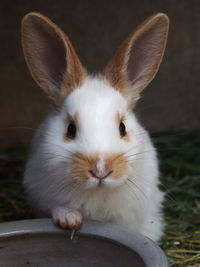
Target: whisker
[
  {"x": 139, "y": 153},
  {"x": 138, "y": 187},
  {"x": 133, "y": 195},
  {"x": 167, "y": 191},
  {"x": 118, "y": 156},
  {"x": 168, "y": 194}
]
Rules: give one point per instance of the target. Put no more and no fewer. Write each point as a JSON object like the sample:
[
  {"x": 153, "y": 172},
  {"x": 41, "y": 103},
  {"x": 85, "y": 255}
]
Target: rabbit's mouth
[{"x": 107, "y": 183}]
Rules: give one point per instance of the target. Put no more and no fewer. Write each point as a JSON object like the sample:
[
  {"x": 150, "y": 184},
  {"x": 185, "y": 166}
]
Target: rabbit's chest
[{"x": 106, "y": 207}]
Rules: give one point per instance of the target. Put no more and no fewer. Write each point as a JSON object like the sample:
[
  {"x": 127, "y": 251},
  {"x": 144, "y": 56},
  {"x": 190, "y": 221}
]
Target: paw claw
[{"x": 66, "y": 218}]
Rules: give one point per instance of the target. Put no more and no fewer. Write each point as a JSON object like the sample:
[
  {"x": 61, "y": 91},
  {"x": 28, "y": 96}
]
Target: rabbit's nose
[{"x": 100, "y": 174}]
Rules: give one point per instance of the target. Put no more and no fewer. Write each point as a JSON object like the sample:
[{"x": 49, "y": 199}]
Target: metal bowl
[{"x": 40, "y": 243}]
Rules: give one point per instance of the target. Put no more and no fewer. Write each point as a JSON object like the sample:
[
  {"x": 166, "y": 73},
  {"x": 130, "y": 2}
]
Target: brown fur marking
[
  {"x": 116, "y": 70},
  {"x": 74, "y": 74},
  {"x": 118, "y": 118},
  {"x": 81, "y": 164},
  {"x": 117, "y": 163}
]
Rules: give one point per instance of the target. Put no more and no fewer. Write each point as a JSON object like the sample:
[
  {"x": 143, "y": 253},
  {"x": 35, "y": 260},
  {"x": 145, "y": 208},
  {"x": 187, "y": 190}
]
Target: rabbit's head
[{"x": 94, "y": 127}]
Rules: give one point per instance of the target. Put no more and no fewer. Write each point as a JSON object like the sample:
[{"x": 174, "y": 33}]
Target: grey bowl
[{"x": 40, "y": 243}]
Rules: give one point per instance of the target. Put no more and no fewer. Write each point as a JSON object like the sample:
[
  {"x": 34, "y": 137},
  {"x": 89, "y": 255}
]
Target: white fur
[
  {"x": 65, "y": 217},
  {"x": 135, "y": 203}
]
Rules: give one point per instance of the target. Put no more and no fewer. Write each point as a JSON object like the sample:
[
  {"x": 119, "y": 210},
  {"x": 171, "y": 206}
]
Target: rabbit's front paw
[{"x": 67, "y": 218}]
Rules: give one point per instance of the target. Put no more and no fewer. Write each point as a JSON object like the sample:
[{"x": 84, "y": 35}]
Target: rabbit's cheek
[{"x": 118, "y": 164}]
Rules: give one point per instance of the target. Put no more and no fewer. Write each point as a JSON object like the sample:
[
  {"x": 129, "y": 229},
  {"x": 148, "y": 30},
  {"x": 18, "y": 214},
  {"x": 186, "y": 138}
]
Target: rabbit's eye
[
  {"x": 122, "y": 129},
  {"x": 71, "y": 130}
]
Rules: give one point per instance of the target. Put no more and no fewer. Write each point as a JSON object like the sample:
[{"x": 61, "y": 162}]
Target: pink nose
[{"x": 100, "y": 175}]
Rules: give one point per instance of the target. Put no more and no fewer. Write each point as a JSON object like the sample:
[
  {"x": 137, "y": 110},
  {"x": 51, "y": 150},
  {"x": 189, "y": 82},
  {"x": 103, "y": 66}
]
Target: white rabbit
[{"x": 91, "y": 158}]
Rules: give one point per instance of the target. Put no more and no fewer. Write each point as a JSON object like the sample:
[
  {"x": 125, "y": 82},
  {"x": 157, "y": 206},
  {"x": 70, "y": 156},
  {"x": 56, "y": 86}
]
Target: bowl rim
[{"x": 150, "y": 252}]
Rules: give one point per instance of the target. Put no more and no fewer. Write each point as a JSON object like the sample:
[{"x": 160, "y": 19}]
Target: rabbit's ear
[
  {"x": 50, "y": 57},
  {"x": 138, "y": 58}
]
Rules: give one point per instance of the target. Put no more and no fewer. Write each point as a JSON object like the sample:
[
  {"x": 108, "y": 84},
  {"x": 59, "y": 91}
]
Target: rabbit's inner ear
[
  {"x": 50, "y": 57},
  {"x": 49, "y": 52},
  {"x": 146, "y": 53},
  {"x": 137, "y": 60}
]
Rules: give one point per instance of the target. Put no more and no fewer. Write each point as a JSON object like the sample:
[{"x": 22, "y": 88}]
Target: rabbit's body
[
  {"x": 91, "y": 158},
  {"x": 135, "y": 204}
]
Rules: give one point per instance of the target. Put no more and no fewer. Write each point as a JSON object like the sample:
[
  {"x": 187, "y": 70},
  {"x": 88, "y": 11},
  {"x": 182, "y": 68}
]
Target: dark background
[
  {"x": 96, "y": 28},
  {"x": 169, "y": 107}
]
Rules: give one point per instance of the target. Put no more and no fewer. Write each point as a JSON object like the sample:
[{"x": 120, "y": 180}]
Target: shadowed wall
[{"x": 96, "y": 28}]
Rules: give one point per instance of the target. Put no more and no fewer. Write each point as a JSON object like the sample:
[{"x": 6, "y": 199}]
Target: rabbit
[{"x": 91, "y": 158}]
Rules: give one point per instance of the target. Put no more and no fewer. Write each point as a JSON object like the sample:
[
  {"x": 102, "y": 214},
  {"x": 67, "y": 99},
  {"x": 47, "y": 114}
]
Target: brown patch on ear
[
  {"x": 50, "y": 56},
  {"x": 132, "y": 102},
  {"x": 75, "y": 74},
  {"x": 115, "y": 73},
  {"x": 75, "y": 120},
  {"x": 137, "y": 60}
]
